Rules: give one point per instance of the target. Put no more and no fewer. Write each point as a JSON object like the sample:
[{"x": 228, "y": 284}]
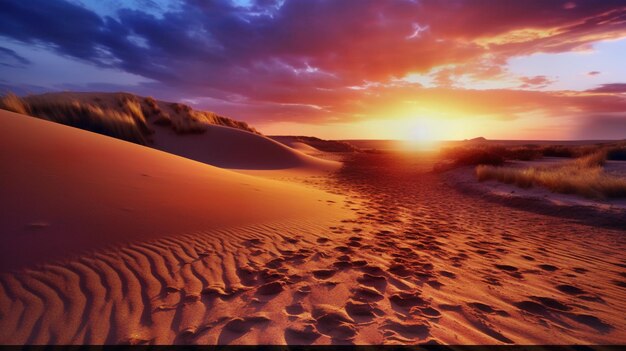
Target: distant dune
[
  {"x": 314, "y": 144},
  {"x": 172, "y": 127}
]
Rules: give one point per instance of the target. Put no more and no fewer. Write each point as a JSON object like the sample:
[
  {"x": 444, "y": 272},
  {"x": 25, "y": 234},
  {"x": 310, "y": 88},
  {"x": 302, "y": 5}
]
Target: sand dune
[
  {"x": 171, "y": 127},
  {"x": 85, "y": 191},
  {"x": 313, "y": 143},
  {"x": 105, "y": 241},
  {"x": 236, "y": 149},
  {"x": 304, "y": 148}
]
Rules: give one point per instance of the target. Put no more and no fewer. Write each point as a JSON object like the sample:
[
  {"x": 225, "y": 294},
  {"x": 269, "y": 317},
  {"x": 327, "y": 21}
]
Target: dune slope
[
  {"x": 65, "y": 190},
  {"x": 105, "y": 241},
  {"x": 237, "y": 149},
  {"x": 172, "y": 127}
]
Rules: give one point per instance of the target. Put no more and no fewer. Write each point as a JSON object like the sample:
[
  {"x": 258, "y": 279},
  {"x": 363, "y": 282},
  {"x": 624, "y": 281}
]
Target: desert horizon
[{"x": 311, "y": 173}]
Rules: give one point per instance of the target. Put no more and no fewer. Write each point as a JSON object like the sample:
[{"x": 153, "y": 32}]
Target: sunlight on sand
[{"x": 420, "y": 145}]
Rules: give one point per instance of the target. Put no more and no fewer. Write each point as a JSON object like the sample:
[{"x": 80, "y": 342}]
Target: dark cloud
[
  {"x": 10, "y": 58},
  {"x": 68, "y": 28},
  {"x": 610, "y": 88}
]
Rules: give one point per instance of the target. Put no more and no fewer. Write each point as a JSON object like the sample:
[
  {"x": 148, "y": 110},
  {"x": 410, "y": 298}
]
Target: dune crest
[{"x": 171, "y": 127}]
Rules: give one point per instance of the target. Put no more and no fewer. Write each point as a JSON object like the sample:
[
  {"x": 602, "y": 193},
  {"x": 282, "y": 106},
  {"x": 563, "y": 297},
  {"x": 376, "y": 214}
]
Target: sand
[
  {"x": 605, "y": 212},
  {"x": 111, "y": 242},
  {"x": 237, "y": 149}
]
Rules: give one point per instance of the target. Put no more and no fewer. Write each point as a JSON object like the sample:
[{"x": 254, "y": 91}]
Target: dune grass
[
  {"x": 121, "y": 125},
  {"x": 496, "y": 155},
  {"x": 582, "y": 176},
  {"x": 119, "y": 115}
]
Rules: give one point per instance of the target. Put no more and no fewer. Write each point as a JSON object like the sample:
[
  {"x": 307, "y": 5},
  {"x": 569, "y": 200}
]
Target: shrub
[
  {"x": 617, "y": 154},
  {"x": 475, "y": 156},
  {"x": 583, "y": 176}
]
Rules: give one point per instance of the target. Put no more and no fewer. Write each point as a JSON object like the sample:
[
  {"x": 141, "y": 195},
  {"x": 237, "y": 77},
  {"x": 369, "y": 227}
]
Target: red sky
[{"x": 445, "y": 69}]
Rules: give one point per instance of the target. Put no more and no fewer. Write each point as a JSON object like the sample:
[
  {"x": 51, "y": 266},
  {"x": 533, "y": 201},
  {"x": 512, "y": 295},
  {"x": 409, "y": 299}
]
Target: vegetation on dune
[
  {"x": 496, "y": 155},
  {"x": 120, "y": 115},
  {"x": 108, "y": 122},
  {"x": 584, "y": 175}
]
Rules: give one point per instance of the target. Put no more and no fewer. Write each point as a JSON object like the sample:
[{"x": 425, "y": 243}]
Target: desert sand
[
  {"x": 106, "y": 241},
  {"x": 237, "y": 149}
]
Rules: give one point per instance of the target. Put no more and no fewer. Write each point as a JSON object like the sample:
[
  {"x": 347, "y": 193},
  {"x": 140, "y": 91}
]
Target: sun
[{"x": 421, "y": 134}]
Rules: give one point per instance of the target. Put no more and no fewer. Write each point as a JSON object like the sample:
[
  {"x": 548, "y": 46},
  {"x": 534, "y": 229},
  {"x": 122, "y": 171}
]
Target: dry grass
[
  {"x": 80, "y": 115},
  {"x": 583, "y": 176},
  {"x": 12, "y": 102},
  {"x": 120, "y": 115},
  {"x": 496, "y": 155}
]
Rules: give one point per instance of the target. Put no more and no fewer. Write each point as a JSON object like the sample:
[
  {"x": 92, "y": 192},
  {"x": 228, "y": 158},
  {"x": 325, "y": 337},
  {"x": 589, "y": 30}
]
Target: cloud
[
  {"x": 610, "y": 88},
  {"x": 10, "y": 58},
  {"x": 593, "y": 73},
  {"x": 279, "y": 59},
  {"x": 535, "y": 82}
]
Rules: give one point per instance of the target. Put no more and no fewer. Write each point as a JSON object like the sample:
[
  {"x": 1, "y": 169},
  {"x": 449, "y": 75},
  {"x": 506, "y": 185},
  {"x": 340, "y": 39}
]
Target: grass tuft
[
  {"x": 79, "y": 115},
  {"x": 583, "y": 176}
]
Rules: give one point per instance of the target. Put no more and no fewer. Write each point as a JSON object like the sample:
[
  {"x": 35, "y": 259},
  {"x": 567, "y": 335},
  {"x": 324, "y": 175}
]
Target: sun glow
[{"x": 422, "y": 133}]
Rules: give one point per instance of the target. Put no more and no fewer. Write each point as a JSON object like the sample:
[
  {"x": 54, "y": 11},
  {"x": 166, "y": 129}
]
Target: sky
[{"x": 345, "y": 69}]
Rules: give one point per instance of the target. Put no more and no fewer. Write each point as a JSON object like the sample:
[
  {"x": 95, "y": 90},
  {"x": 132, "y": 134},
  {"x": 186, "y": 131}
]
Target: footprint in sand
[
  {"x": 275, "y": 263},
  {"x": 533, "y": 307},
  {"x": 294, "y": 309},
  {"x": 400, "y": 270},
  {"x": 548, "y": 267},
  {"x": 359, "y": 263},
  {"x": 366, "y": 294},
  {"x": 410, "y": 330},
  {"x": 570, "y": 289},
  {"x": 362, "y": 311},
  {"x": 342, "y": 264},
  {"x": 378, "y": 282},
  {"x": 448, "y": 274},
  {"x": 301, "y": 335},
  {"x": 505, "y": 267},
  {"x": 551, "y": 303},
  {"x": 407, "y": 300},
  {"x": 343, "y": 249},
  {"x": 372, "y": 269},
  {"x": 430, "y": 312},
  {"x": 335, "y": 323},
  {"x": 322, "y": 240},
  {"x": 237, "y": 327},
  {"x": 272, "y": 288},
  {"x": 324, "y": 273},
  {"x": 591, "y": 321}
]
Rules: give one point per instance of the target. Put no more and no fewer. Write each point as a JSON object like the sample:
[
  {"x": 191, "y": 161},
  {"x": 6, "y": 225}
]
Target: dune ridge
[{"x": 171, "y": 127}]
